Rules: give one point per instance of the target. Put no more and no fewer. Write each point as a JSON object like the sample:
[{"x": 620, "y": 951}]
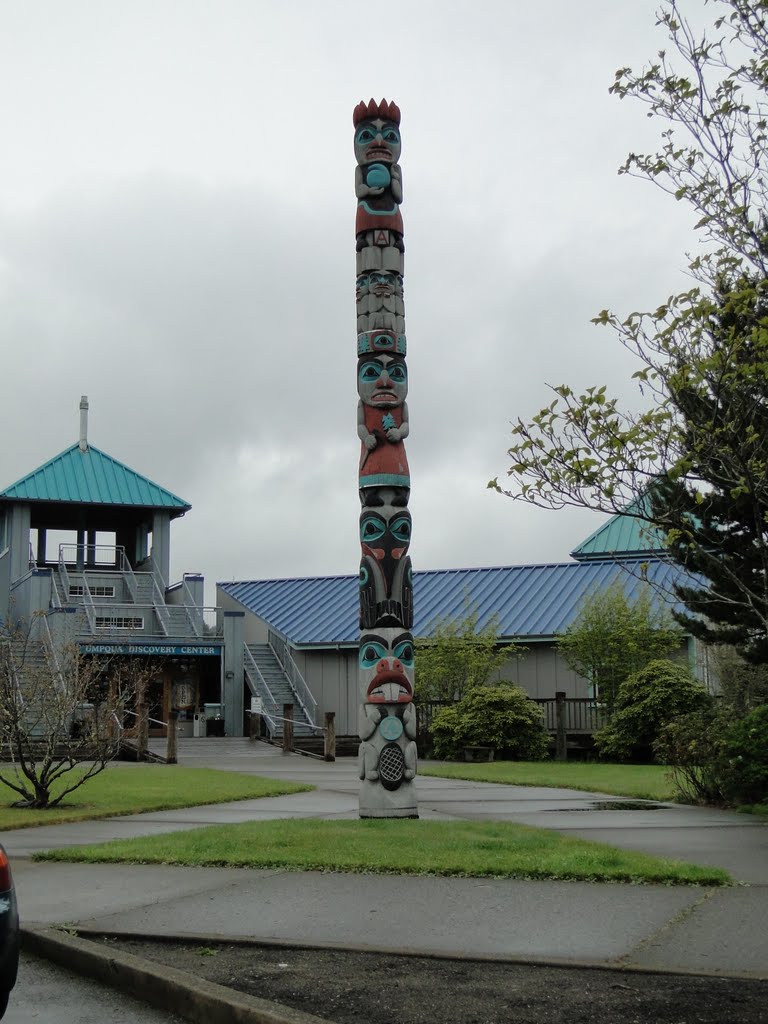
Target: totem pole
[{"x": 387, "y": 717}]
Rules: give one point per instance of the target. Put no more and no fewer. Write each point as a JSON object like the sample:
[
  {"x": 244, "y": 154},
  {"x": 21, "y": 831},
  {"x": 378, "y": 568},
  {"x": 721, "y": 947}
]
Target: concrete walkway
[{"x": 652, "y": 927}]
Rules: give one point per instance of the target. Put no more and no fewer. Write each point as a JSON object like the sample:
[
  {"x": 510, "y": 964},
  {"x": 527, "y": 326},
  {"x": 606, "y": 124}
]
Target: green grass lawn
[
  {"x": 471, "y": 849},
  {"x": 130, "y": 789},
  {"x": 642, "y": 781}
]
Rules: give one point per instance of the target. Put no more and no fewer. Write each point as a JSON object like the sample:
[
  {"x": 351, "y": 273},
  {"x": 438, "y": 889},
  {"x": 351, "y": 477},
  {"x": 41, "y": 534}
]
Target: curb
[{"x": 165, "y": 988}]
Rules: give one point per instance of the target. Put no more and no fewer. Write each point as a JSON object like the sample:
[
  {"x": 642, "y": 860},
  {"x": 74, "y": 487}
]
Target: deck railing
[{"x": 582, "y": 715}]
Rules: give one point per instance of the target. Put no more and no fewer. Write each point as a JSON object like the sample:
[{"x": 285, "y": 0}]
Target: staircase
[
  {"x": 280, "y": 690},
  {"x": 36, "y": 678}
]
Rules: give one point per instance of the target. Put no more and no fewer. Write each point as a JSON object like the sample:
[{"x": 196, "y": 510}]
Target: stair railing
[
  {"x": 52, "y": 657},
  {"x": 160, "y": 608},
  {"x": 258, "y": 685},
  {"x": 129, "y": 575},
  {"x": 194, "y": 614},
  {"x": 279, "y": 647},
  {"x": 63, "y": 573},
  {"x": 90, "y": 607}
]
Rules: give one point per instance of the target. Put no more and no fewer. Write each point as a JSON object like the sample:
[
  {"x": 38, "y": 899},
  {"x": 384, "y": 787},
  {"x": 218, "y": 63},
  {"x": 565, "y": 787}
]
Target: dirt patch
[{"x": 348, "y": 988}]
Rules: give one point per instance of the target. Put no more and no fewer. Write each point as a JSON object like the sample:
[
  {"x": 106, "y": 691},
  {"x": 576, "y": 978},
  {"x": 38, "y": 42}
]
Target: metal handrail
[
  {"x": 295, "y": 678},
  {"x": 156, "y": 721},
  {"x": 117, "y": 551},
  {"x": 259, "y": 682},
  {"x": 130, "y": 576},
  {"x": 279, "y": 718},
  {"x": 189, "y": 607},
  {"x": 55, "y": 599},
  {"x": 159, "y": 603},
  {"x": 63, "y": 572},
  {"x": 90, "y": 607},
  {"x": 53, "y": 656}
]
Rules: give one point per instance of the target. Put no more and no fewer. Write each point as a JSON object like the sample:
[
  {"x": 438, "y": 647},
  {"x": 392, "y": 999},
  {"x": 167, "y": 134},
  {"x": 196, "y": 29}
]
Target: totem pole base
[{"x": 377, "y": 802}]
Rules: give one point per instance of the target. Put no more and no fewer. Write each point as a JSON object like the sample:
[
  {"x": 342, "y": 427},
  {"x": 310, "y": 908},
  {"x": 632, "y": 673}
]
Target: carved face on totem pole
[
  {"x": 377, "y": 140},
  {"x": 382, "y": 380},
  {"x": 386, "y": 583},
  {"x": 386, "y": 662}
]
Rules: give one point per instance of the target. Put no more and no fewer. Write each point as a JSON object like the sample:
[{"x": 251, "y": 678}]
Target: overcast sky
[{"x": 177, "y": 242}]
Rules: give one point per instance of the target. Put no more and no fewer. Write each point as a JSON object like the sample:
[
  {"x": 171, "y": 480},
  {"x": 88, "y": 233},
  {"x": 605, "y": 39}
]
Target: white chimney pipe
[{"x": 84, "y": 423}]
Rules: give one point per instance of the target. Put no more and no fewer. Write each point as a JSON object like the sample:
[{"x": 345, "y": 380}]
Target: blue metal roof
[
  {"x": 531, "y": 601},
  {"x": 92, "y": 477}
]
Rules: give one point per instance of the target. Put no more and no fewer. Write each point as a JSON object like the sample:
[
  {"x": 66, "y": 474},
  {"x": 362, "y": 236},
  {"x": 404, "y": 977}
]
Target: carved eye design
[
  {"x": 404, "y": 653},
  {"x": 400, "y": 529},
  {"x": 371, "y": 654},
  {"x": 398, "y": 373},
  {"x": 372, "y": 529},
  {"x": 364, "y": 576},
  {"x": 390, "y": 135},
  {"x": 364, "y": 136},
  {"x": 370, "y": 372}
]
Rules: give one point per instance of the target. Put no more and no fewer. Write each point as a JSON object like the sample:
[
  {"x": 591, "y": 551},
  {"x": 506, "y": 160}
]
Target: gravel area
[{"x": 347, "y": 988}]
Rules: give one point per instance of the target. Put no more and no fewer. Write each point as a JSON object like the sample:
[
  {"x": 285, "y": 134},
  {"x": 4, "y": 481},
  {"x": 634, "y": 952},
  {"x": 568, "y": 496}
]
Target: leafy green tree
[
  {"x": 645, "y": 702},
  {"x": 502, "y": 717},
  {"x": 612, "y": 637},
  {"x": 458, "y": 655},
  {"x": 743, "y": 686},
  {"x": 694, "y": 461}
]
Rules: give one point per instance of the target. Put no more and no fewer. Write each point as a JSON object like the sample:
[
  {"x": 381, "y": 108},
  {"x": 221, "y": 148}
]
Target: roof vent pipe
[{"x": 84, "y": 423}]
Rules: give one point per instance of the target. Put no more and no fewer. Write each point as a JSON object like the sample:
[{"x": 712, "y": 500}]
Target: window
[
  {"x": 77, "y": 590},
  {"x": 119, "y": 622}
]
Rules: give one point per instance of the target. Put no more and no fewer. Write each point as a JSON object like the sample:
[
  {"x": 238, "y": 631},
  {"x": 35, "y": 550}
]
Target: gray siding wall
[
  {"x": 331, "y": 675},
  {"x": 541, "y": 672},
  {"x": 256, "y": 630}
]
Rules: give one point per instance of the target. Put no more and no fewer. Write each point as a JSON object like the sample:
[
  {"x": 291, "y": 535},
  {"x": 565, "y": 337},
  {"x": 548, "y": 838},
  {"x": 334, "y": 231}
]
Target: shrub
[
  {"x": 645, "y": 702},
  {"x": 745, "y": 772},
  {"x": 502, "y": 717},
  {"x": 717, "y": 760},
  {"x": 693, "y": 746}
]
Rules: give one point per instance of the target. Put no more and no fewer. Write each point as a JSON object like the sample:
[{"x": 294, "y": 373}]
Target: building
[
  {"x": 313, "y": 622},
  {"x": 86, "y": 540}
]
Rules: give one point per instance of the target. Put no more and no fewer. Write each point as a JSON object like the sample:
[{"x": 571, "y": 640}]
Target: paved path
[{"x": 658, "y": 927}]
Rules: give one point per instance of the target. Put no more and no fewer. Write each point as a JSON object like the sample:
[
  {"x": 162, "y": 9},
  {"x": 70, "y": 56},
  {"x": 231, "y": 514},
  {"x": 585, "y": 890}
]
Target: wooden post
[
  {"x": 287, "y": 728},
  {"x": 330, "y": 735},
  {"x": 561, "y": 750},
  {"x": 142, "y": 732},
  {"x": 170, "y": 751}
]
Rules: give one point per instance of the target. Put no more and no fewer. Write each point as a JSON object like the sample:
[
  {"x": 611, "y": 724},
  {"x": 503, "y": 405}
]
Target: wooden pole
[
  {"x": 561, "y": 750},
  {"x": 330, "y": 735},
  {"x": 170, "y": 752},
  {"x": 287, "y": 728},
  {"x": 142, "y": 732}
]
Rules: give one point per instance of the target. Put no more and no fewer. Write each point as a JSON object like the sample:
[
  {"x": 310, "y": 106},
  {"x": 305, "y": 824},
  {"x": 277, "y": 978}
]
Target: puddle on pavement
[{"x": 614, "y": 805}]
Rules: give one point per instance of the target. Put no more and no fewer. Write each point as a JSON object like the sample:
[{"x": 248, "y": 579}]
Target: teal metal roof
[
  {"x": 92, "y": 477},
  {"x": 624, "y": 536}
]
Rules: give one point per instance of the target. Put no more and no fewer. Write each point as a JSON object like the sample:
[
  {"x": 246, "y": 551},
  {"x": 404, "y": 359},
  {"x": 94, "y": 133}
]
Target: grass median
[
  {"x": 468, "y": 849},
  {"x": 641, "y": 781},
  {"x": 133, "y": 789}
]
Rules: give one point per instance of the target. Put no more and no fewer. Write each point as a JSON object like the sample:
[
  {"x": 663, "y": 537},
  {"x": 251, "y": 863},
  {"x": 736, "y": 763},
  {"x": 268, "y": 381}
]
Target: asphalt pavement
[{"x": 676, "y": 928}]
